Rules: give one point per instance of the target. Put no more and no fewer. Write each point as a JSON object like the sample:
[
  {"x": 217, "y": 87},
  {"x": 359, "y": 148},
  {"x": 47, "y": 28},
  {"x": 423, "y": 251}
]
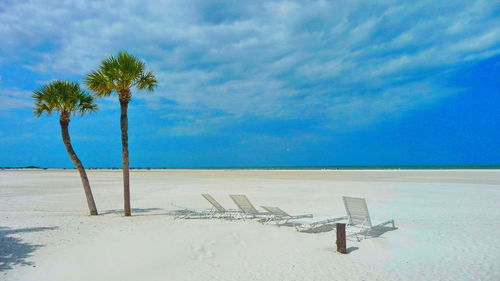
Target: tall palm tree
[
  {"x": 67, "y": 98},
  {"x": 118, "y": 74}
]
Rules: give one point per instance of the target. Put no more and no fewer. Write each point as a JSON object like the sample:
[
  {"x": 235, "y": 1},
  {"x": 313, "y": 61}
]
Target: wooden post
[{"x": 341, "y": 239}]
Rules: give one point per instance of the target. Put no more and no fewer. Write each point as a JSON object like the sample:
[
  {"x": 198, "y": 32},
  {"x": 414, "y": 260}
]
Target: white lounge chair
[
  {"x": 359, "y": 218},
  {"x": 280, "y": 217},
  {"x": 246, "y": 207},
  {"x": 219, "y": 211}
]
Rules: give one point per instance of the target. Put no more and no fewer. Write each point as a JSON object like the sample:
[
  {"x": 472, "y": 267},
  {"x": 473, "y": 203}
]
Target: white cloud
[
  {"x": 14, "y": 98},
  {"x": 351, "y": 62}
]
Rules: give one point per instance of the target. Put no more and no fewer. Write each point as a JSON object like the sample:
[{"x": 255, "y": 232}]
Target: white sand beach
[{"x": 448, "y": 226}]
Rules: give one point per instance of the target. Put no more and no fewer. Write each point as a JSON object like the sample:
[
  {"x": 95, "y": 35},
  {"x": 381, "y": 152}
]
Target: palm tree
[
  {"x": 118, "y": 74},
  {"x": 67, "y": 98}
]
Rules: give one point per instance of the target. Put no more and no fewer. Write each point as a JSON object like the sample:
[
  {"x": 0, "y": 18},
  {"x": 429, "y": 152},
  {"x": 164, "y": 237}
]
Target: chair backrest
[
  {"x": 214, "y": 203},
  {"x": 244, "y": 204},
  {"x": 357, "y": 211},
  {"x": 276, "y": 211}
]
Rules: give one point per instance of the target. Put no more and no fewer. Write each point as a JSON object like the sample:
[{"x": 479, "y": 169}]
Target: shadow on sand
[
  {"x": 351, "y": 249},
  {"x": 191, "y": 214},
  {"x": 374, "y": 232},
  {"x": 181, "y": 213},
  {"x": 13, "y": 251},
  {"x": 319, "y": 229},
  {"x": 135, "y": 211},
  {"x": 377, "y": 231}
]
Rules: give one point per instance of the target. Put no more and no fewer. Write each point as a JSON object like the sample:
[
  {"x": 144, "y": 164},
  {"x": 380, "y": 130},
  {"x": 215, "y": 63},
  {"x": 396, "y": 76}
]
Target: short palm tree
[
  {"x": 67, "y": 98},
  {"x": 119, "y": 74}
]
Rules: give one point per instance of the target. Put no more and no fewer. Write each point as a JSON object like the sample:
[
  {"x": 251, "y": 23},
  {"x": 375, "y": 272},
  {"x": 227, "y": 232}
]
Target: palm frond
[
  {"x": 86, "y": 103},
  {"x": 147, "y": 82},
  {"x": 62, "y": 96},
  {"x": 100, "y": 83},
  {"x": 120, "y": 72}
]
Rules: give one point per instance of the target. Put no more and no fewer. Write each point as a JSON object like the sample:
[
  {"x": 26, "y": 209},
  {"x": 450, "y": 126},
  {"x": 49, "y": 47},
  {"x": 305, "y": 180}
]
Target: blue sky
[{"x": 261, "y": 83}]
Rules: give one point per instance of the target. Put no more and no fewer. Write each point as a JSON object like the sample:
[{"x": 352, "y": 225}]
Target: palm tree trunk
[
  {"x": 64, "y": 121},
  {"x": 124, "y": 97}
]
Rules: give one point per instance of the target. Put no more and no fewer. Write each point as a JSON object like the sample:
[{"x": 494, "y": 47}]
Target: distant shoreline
[{"x": 383, "y": 167}]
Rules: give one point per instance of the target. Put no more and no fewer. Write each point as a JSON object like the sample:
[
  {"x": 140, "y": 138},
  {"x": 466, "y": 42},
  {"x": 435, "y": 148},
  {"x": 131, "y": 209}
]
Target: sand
[{"x": 448, "y": 226}]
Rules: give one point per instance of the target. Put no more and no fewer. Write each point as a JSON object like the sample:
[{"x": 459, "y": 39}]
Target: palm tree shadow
[
  {"x": 13, "y": 251},
  {"x": 190, "y": 214},
  {"x": 135, "y": 211}
]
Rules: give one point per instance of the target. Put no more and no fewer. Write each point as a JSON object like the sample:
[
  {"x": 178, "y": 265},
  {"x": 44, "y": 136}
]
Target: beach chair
[
  {"x": 218, "y": 210},
  {"x": 280, "y": 217},
  {"x": 247, "y": 209},
  {"x": 359, "y": 218}
]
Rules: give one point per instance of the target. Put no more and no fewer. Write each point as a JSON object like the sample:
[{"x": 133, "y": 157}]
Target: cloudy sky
[{"x": 261, "y": 83}]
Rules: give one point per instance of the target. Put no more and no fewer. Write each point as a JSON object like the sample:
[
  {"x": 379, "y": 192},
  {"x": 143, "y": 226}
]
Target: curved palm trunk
[
  {"x": 64, "y": 121},
  {"x": 124, "y": 97}
]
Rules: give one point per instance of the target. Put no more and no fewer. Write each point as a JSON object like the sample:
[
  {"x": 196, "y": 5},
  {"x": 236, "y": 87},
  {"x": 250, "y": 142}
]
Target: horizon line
[{"x": 298, "y": 167}]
